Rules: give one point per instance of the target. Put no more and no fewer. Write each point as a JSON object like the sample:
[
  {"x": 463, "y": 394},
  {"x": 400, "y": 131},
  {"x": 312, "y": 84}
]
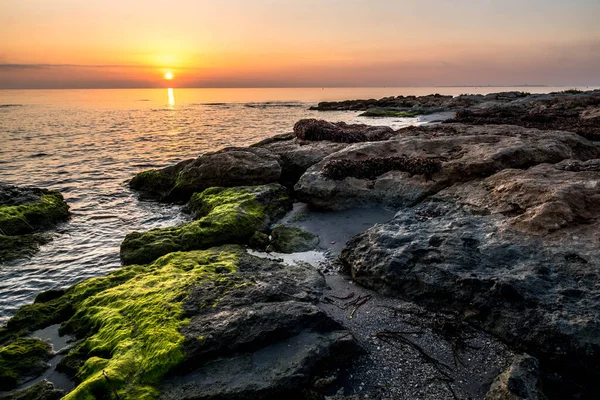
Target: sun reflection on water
[{"x": 171, "y": 97}]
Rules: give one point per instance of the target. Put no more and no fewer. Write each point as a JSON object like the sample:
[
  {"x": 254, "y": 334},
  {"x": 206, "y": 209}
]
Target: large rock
[
  {"x": 24, "y": 213},
  {"x": 233, "y": 166},
  {"x": 207, "y": 324},
  {"x": 517, "y": 253},
  {"x": 223, "y": 216},
  {"x": 317, "y": 130},
  {"x": 463, "y": 153}
]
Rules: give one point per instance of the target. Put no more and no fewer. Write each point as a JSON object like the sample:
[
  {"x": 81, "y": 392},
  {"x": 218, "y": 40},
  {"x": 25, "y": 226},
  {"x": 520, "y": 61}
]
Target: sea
[{"x": 88, "y": 143}]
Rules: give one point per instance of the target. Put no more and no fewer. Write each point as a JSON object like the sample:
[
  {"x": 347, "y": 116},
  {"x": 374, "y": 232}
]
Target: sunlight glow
[
  {"x": 169, "y": 75},
  {"x": 171, "y": 97}
]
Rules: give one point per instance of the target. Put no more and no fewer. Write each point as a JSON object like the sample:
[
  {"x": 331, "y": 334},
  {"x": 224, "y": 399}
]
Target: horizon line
[{"x": 304, "y": 87}]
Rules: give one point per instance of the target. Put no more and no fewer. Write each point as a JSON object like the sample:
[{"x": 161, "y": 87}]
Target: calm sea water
[{"x": 88, "y": 143}]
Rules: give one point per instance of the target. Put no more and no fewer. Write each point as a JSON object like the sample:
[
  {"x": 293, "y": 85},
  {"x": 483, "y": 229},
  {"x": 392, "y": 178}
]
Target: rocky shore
[{"x": 479, "y": 278}]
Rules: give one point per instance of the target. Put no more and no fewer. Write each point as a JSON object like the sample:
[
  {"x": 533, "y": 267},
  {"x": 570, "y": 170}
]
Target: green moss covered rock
[
  {"x": 259, "y": 241},
  {"x": 28, "y": 210},
  {"x": 146, "y": 323},
  {"x": 23, "y": 213},
  {"x": 225, "y": 215},
  {"x": 22, "y": 359},
  {"x": 230, "y": 167},
  {"x": 291, "y": 239},
  {"x": 43, "y": 390}
]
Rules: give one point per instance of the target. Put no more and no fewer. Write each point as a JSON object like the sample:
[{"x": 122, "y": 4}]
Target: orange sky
[{"x": 275, "y": 43}]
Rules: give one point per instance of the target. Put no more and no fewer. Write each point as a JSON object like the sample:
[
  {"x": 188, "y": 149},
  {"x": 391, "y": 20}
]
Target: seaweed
[{"x": 371, "y": 168}]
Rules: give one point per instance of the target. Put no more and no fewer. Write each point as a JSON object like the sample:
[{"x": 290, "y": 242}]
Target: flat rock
[{"x": 465, "y": 153}]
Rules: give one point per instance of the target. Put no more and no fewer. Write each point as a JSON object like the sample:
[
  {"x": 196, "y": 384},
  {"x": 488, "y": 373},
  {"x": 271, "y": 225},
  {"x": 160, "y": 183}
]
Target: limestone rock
[{"x": 465, "y": 153}]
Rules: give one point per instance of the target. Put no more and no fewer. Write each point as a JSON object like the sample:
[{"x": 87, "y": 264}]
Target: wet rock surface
[
  {"x": 25, "y": 212},
  {"x": 410, "y": 352}
]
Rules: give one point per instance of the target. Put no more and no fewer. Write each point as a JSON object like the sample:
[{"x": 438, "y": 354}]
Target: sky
[{"x": 307, "y": 43}]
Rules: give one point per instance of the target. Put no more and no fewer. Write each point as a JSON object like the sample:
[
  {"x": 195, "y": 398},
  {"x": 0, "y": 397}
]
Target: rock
[
  {"x": 402, "y": 102},
  {"x": 211, "y": 324},
  {"x": 298, "y": 155},
  {"x": 42, "y": 390},
  {"x": 23, "y": 213},
  {"x": 458, "y": 152},
  {"x": 259, "y": 241},
  {"x": 516, "y": 253},
  {"x": 539, "y": 201},
  {"x": 230, "y": 167},
  {"x": 22, "y": 359},
  {"x": 389, "y": 112},
  {"x": 519, "y": 382},
  {"x": 291, "y": 239},
  {"x": 317, "y": 130},
  {"x": 224, "y": 215},
  {"x": 568, "y": 112}
]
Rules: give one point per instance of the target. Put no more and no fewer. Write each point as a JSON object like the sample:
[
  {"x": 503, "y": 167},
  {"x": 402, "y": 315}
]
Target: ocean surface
[{"x": 88, "y": 143}]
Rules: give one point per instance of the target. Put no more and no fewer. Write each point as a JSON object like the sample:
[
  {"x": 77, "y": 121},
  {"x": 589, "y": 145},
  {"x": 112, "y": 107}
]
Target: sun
[{"x": 169, "y": 76}]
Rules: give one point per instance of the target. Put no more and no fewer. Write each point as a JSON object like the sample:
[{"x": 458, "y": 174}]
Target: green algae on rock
[
  {"x": 22, "y": 359},
  {"x": 129, "y": 321},
  {"x": 291, "y": 239},
  {"x": 23, "y": 213},
  {"x": 226, "y": 215},
  {"x": 230, "y": 167},
  {"x": 40, "y": 209},
  {"x": 141, "y": 323}
]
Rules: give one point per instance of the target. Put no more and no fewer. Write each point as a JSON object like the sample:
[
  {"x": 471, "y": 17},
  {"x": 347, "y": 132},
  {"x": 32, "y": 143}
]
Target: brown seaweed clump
[
  {"x": 340, "y": 132},
  {"x": 371, "y": 168}
]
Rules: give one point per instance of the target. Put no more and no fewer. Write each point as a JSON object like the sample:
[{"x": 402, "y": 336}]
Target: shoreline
[{"x": 498, "y": 236}]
